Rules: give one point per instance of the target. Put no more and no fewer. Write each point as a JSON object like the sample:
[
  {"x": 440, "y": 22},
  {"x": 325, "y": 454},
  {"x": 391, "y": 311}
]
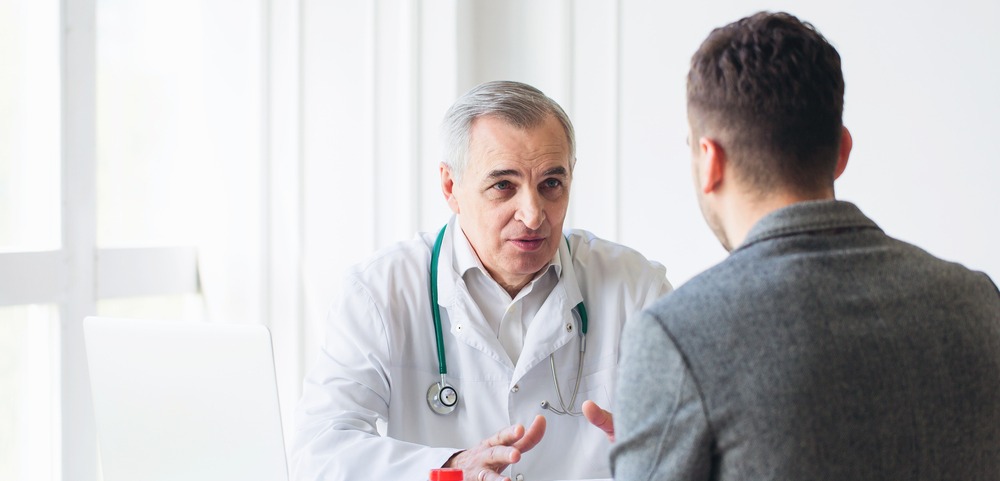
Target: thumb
[{"x": 600, "y": 418}]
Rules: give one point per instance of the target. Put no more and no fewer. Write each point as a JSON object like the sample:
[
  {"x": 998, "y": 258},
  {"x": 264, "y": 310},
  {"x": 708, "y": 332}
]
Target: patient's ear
[
  {"x": 712, "y": 165},
  {"x": 846, "y": 144}
]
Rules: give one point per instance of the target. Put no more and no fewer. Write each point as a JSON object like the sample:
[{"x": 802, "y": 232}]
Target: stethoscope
[{"x": 443, "y": 398}]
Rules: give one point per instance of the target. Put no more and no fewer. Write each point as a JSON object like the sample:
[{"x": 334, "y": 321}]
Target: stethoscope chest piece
[{"x": 442, "y": 398}]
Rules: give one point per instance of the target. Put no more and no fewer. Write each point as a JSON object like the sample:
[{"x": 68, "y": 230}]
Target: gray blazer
[{"x": 820, "y": 349}]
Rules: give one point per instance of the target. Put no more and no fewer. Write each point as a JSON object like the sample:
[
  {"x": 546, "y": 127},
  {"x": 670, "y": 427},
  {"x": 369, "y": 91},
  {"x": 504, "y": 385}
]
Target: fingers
[
  {"x": 600, "y": 418},
  {"x": 532, "y": 436},
  {"x": 506, "y": 436},
  {"x": 501, "y": 455},
  {"x": 486, "y": 461},
  {"x": 489, "y": 475},
  {"x": 499, "y": 450}
]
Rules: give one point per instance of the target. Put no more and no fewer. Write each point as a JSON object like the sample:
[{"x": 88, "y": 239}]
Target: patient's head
[{"x": 769, "y": 89}]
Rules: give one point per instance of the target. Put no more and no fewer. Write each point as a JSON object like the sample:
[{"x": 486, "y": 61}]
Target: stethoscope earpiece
[{"x": 442, "y": 398}]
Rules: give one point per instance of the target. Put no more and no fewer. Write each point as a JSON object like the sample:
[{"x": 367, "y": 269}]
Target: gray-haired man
[{"x": 458, "y": 338}]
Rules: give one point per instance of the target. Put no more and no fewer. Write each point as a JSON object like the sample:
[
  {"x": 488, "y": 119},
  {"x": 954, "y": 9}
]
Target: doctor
[{"x": 442, "y": 349}]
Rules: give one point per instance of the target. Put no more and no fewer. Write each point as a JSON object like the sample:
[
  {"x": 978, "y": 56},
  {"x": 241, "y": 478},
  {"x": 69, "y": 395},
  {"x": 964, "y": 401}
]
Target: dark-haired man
[{"x": 821, "y": 348}]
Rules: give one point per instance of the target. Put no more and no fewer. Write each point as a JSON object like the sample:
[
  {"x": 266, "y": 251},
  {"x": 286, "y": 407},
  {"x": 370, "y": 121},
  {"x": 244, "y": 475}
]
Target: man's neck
[{"x": 514, "y": 286}]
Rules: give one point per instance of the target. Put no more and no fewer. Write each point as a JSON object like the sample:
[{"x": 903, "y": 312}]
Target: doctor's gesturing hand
[{"x": 486, "y": 461}]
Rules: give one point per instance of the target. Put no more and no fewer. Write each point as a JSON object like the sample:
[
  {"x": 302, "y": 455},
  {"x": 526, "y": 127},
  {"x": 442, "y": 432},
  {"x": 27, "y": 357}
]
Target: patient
[{"x": 821, "y": 348}]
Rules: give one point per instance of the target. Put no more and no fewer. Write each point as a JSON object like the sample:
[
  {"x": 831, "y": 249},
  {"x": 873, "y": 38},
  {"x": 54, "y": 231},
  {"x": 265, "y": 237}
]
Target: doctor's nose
[{"x": 530, "y": 211}]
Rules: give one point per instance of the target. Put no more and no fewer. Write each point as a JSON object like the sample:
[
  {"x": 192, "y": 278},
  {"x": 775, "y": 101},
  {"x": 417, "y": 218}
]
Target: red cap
[{"x": 447, "y": 474}]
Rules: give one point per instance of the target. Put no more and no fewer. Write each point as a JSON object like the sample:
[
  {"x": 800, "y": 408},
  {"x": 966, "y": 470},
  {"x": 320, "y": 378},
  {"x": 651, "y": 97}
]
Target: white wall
[{"x": 921, "y": 101}]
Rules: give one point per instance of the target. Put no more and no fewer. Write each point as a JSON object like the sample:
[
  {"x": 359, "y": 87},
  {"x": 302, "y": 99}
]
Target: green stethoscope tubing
[
  {"x": 435, "y": 309},
  {"x": 439, "y": 337}
]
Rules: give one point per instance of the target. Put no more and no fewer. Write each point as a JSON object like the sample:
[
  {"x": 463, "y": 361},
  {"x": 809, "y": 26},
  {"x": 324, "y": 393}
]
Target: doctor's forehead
[
  {"x": 496, "y": 145},
  {"x": 494, "y": 169},
  {"x": 545, "y": 171}
]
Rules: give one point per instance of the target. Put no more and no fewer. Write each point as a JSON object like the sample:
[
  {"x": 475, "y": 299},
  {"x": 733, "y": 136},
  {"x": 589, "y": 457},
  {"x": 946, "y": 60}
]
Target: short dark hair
[{"x": 771, "y": 89}]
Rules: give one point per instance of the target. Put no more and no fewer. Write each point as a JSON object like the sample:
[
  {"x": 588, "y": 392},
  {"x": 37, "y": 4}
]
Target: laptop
[{"x": 192, "y": 401}]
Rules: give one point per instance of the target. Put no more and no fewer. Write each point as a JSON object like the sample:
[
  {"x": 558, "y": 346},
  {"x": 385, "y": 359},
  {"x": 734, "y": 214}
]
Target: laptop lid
[{"x": 186, "y": 401}]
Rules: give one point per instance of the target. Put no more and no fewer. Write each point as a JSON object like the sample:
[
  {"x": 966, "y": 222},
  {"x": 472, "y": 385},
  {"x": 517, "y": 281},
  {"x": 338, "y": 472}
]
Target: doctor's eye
[
  {"x": 552, "y": 188},
  {"x": 503, "y": 185}
]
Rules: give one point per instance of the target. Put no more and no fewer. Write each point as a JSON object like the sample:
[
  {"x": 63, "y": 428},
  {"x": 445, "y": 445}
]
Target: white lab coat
[{"x": 379, "y": 357}]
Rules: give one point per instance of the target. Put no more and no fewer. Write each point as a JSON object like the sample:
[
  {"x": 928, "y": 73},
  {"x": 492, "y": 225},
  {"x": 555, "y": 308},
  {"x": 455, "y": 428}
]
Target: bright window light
[
  {"x": 28, "y": 363},
  {"x": 177, "y": 120},
  {"x": 189, "y": 307},
  {"x": 29, "y": 125}
]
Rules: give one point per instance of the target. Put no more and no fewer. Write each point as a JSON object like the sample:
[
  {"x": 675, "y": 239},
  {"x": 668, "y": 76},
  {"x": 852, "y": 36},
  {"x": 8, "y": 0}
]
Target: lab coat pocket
[{"x": 598, "y": 389}]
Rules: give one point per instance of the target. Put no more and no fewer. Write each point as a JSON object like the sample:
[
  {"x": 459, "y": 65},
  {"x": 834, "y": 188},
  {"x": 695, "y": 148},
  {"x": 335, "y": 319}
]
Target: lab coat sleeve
[
  {"x": 655, "y": 285},
  {"x": 344, "y": 395},
  {"x": 619, "y": 264},
  {"x": 659, "y": 287}
]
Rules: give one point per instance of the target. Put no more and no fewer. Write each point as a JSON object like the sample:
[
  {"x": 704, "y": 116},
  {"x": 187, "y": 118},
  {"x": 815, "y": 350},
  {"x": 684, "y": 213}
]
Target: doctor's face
[{"x": 512, "y": 196}]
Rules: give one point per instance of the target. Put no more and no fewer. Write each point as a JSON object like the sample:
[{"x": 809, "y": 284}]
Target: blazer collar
[{"x": 809, "y": 216}]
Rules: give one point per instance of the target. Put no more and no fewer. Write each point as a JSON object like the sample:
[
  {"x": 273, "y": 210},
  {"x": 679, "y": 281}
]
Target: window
[
  {"x": 29, "y": 233},
  {"x": 29, "y": 120},
  {"x": 28, "y": 391},
  {"x": 106, "y": 193}
]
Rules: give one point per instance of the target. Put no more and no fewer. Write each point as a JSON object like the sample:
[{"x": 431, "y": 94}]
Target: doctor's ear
[{"x": 448, "y": 187}]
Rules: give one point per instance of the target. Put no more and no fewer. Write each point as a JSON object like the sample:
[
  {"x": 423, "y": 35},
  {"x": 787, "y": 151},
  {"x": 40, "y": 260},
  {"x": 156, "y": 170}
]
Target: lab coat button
[
  {"x": 458, "y": 328},
  {"x": 515, "y": 388},
  {"x": 569, "y": 327},
  {"x": 519, "y": 477}
]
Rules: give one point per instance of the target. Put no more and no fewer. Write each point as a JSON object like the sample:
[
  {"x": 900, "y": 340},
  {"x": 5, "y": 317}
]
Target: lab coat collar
[
  {"x": 555, "y": 325},
  {"x": 448, "y": 275},
  {"x": 545, "y": 335},
  {"x": 457, "y": 257}
]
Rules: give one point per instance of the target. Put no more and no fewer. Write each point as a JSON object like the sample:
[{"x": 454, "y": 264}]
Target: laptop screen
[{"x": 184, "y": 400}]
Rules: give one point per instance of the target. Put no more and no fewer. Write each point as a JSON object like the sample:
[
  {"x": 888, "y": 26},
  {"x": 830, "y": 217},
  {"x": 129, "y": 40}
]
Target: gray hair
[{"x": 519, "y": 105}]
